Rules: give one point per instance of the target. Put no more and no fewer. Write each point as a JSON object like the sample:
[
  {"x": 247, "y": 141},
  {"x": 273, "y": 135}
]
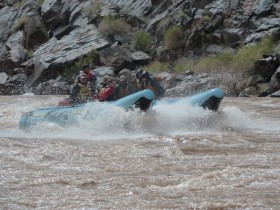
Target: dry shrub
[
  {"x": 142, "y": 41},
  {"x": 242, "y": 61},
  {"x": 113, "y": 25},
  {"x": 156, "y": 66},
  {"x": 20, "y": 22},
  {"x": 172, "y": 37},
  {"x": 246, "y": 56}
]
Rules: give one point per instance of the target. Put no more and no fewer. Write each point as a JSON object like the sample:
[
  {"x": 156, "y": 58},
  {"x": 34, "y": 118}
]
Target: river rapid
[{"x": 174, "y": 157}]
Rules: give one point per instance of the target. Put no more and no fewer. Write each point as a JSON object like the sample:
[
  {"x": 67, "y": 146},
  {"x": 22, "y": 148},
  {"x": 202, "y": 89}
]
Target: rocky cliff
[{"x": 41, "y": 40}]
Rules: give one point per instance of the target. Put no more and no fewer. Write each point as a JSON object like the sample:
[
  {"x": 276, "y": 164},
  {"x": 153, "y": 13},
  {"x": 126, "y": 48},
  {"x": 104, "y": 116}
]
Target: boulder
[
  {"x": 51, "y": 12},
  {"x": 3, "y": 78},
  {"x": 52, "y": 87},
  {"x": 266, "y": 67},
  {"x": 117, "y": 58},
  {"x": 275, "y": 94}
]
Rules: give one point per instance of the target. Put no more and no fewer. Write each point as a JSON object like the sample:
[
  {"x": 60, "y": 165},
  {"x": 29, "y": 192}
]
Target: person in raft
[
  {"x": 145, "y": 81},
  {"x": 108, "y": 92},
  {"x": 90, "y": 76},
  {"x": 82, "y": 90}
]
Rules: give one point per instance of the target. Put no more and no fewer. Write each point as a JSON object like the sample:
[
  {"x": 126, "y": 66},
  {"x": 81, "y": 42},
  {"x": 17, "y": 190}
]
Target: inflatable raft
[{"x": 143, "y": 100}]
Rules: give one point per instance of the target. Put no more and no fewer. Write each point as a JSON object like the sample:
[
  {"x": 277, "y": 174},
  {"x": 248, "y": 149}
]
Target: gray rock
[
  {"x": 19, "y": 78},
  {"x": 139, "y": 55},
  {"x": 50, "y": 11},
  {"x": 3, "y": 78},
  {"x": 52, "y": 87},
  {"x": 116, "y": 57},
  {"x": 275, "y": 94},
  {"x": 104, "y": 70}
]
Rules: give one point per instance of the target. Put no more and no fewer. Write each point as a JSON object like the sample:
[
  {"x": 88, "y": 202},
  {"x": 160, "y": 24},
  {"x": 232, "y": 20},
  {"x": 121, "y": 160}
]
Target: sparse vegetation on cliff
[
  {"x": 240, "y": 62},
  {"x": 246, "y": 55},
  {"x": 20, "y": 24},
  {"x": 142, "y": 41},
  {"x": 172, "y": 37},
  {"x": 111, "y": 25},
  {"x": 94, "y": 9},
  {"x": 156, "y": 66},
  {"x": 19, "y": 4}
]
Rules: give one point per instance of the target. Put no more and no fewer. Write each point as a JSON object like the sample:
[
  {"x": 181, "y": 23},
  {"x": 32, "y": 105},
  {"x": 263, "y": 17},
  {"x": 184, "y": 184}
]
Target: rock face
[{"x": 46, "y": 40}]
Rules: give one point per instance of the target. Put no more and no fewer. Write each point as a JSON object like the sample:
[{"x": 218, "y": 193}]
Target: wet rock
[
  {"x": 250, "y": 91},
  {"x": 52, "y": 87},
  {"x": 275, "y": 94}
]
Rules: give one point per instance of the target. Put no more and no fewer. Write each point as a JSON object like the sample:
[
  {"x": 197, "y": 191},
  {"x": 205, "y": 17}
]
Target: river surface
[{"x": 175, "y": 157}]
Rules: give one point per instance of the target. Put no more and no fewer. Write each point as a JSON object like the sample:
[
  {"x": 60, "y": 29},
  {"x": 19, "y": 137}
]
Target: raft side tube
[
  {"x": 210, "y": 99},
  {"x": 68, "y": 115},
  {"x": 142, "y": 99}
]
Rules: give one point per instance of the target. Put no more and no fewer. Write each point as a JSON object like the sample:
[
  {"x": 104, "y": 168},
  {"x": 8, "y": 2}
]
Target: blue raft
[
  {"x": 210, "y": 99},
  {"x": 68, "y": 115}
]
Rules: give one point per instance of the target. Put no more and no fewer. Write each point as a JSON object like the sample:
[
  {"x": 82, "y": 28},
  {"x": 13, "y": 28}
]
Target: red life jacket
[
  {"x": 105, "y": 93},
  {"x": 91, "y": 76}
]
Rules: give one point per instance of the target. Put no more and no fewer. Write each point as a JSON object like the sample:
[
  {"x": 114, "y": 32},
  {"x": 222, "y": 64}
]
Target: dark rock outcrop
[{"x": 44, "y": 40}]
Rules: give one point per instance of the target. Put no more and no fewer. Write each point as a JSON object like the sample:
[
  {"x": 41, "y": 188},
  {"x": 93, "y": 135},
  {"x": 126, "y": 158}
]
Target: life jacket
[
  {"x": 81, "y": 93},
  {"x": 156, "y": 78},
  {"x": 85, "y": 90},
  {"x": 91, "y": 77},
  {"x": 106, "y": 94}
]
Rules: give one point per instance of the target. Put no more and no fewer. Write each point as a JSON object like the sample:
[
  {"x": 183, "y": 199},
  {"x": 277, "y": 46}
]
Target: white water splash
[
  {"x": 115, "y": 123},
  {"x": 236, "y": 119}
]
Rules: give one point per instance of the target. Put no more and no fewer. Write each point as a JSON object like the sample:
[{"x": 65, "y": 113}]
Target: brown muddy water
[{"x": 170, "y": 158}]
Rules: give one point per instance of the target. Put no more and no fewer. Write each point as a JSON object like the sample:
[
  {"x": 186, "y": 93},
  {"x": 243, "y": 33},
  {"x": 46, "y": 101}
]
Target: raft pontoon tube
[{"x": 68, "y": 115}]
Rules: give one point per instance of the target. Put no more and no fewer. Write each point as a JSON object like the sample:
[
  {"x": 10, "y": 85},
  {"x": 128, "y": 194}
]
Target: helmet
[
  {"x": 142, "y": 74},
  {"x": 139, "y": 73}
]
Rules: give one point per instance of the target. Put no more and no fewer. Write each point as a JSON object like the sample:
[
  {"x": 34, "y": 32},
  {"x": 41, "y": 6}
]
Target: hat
[
  {"x": 83, "y": 75},
  {"x": 122, "y": 78},
  {"x": 107, "y": 78}
]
